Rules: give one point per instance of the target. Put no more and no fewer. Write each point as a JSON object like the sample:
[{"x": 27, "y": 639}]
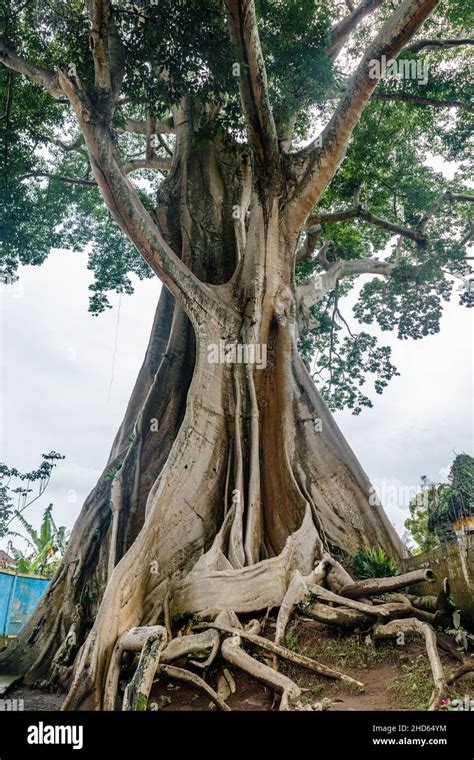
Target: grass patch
[
  {"x": 350, "y": 652},
  {"x": 413, "y": 687},
  {"x": 292, "y": 641},
  {"x": 313, "y": 686}
]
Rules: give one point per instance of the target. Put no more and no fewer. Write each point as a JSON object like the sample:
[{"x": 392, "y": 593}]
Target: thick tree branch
[
  {"x": 125, "y": 205},
  {"x": 439, "y": 44},
  {"x": 164, "y": 144},
  {"x": 309, "y": 245},
  {"x": 397, "y": 229},
  {"x": 314, "y": 228},
  {"x": 315, "y": 165},
  {"x": 314, "y": 291},
  {"x": 446, "y": 196},
  {"x": 469, "y": 234},
  {"x": 119, "y": 195},
  {"x": 32, "y": 71},
  {"x": 106, "y": 48},
  {"x": 262, "y": 132},
  {"x": 341, "y": 32},
  {"x": 359, "y": 212},
  {"x": 420, "y": 101}
]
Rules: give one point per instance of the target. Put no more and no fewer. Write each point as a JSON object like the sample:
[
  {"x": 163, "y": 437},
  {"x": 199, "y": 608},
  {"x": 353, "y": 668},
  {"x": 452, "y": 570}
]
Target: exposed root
[
  {"x": 337, "y": 575},
  {"x": 412, "y": 625},
  {"x": 330, "y": 596},
  {"x": 340, "y": 616},
  {"x": 298, "y": 659},
  {"x": 253, "y": 627},
  {"x": 180, "y": 674},
  {"x": 426, "y": 603},
  {"x": 226, "y": 633},
  {"x": 225, "y": 685},
  {"x": 373, "y": 586},
  {"x": 134, "y": 641},
  {"x": 399, "y": 606},
  {"x": 464, "y": 669},
  {"x": 138, "y": 690},
  {"x": 223, "y": 689},
  {"x": 445, "y": 643},
  {"x": 230, "y": 680},
  {"x": 232, "y": 652},
  {"x": 193, "y": 643},
  {"x": 213, "y": 636},
  {"x": 296, "y": 592}
]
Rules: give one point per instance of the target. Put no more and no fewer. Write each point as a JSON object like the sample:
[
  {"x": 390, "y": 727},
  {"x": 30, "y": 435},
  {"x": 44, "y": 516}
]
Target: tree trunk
[{"x": 227, "y": 476}]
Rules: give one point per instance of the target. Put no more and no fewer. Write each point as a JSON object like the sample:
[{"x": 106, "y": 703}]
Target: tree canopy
[{"x": 386, "y": 201}]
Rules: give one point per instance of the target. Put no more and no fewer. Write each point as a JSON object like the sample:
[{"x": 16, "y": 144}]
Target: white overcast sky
[{"x": 57, "y": 371}]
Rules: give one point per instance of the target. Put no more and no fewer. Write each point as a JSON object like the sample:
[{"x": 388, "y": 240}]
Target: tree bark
[{"x": 227, "y": 477}]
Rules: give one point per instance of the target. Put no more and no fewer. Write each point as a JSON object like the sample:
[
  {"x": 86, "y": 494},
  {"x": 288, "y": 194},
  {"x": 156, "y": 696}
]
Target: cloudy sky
[{"x": 62, "y": 389}]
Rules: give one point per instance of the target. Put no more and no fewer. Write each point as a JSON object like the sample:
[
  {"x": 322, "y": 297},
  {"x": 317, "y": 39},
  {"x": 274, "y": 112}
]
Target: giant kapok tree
[{"x": 257, "y": 157}]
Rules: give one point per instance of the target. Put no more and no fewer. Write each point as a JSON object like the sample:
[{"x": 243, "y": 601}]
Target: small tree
[{"x": 417, "y": 523}]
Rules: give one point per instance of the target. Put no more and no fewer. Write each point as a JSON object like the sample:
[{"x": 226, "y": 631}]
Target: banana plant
[{"x": 46, "y": 547}]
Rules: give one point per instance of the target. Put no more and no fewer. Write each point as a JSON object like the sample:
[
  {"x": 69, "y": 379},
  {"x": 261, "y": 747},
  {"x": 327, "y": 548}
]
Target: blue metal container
[{"x": 19, "y": 595}]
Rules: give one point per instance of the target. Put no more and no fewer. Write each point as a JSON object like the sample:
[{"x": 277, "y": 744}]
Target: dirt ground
[{"x": 396, "y": 677}]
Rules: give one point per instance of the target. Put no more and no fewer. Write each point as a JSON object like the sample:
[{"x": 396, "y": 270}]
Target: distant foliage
[
  {"x": 438, "y": 506},
  {"x": 456, "y": 500},
  {"x": 17, "y": 491}
]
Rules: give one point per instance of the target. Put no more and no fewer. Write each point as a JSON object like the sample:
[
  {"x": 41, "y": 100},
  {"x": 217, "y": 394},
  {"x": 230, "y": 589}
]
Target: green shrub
[{"x": 373, "y": 563}]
